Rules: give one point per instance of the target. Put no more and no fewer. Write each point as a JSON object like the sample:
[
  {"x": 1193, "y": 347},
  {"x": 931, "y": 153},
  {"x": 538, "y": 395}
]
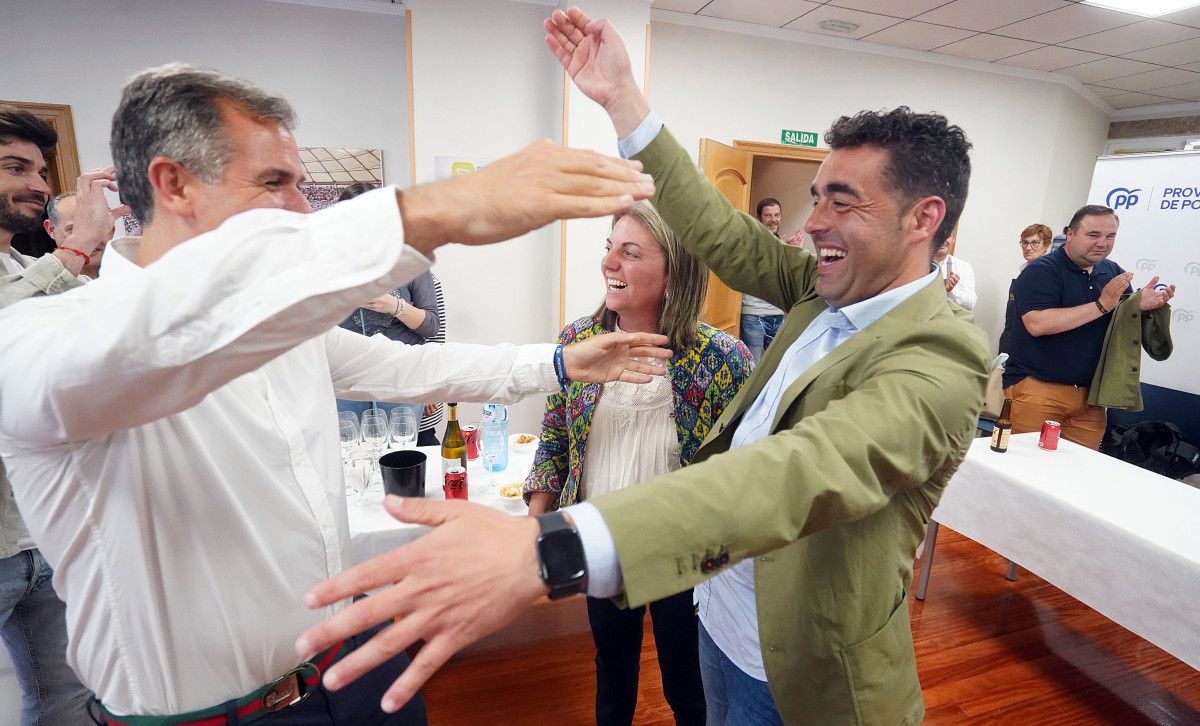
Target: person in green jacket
[{"x": 798, "y": 519}]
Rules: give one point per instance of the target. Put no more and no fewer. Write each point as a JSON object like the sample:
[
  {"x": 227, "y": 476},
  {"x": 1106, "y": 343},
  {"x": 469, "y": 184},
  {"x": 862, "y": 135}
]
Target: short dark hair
[
  {"x": 927, "y": 156},
  {"x": 19, "y": 124},
  {"x": 1090, "y": 210},
  {"x": 354, "y": 190},
  {"x": 767, "y": 202},
  {"x": 174, "y": 111}
]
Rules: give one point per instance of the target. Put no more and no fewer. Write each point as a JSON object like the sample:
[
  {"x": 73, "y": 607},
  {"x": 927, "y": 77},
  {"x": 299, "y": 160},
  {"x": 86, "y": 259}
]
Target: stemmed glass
[
  {"x": 348, "y": 430},
  {"x": 375, "y": 433},
  {"x": 404, "y": 428}
]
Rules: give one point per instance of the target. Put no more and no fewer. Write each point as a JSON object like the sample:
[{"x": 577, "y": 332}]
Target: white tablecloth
[
  {"x": 373, "y": 531},
  {"x": 1123, "y": 540}
]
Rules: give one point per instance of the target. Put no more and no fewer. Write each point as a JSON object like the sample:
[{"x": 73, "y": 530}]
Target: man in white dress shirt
[
  {"x": 171, "y": 430},
  {"x": 959, "y": 276}
]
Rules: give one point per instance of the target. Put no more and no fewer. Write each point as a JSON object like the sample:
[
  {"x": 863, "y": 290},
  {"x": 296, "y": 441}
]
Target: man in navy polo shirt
[{"x": 1064, "y": 300}]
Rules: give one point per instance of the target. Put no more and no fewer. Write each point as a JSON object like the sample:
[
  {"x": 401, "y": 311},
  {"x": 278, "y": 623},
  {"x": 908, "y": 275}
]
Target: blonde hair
[{"x": 687, "y": 281}]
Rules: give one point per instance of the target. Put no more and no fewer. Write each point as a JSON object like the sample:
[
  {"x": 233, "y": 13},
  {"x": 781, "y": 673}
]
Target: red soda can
[
  {"x": 456, "y": 483},
  {"x": 471, "y": 435},
  {"x": 1049, "y": 437}
]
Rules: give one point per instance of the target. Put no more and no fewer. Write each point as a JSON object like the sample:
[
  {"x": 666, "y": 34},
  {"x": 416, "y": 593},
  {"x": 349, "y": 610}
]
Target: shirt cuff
[
  {"x": 534, "y": 368},
  {"x": 636, "y": 143},
  {"x": 599, "y": 551}
]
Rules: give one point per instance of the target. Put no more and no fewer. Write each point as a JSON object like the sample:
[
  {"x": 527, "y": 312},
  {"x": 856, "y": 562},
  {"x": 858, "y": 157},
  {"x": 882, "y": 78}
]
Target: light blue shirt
[{"x": 727, "y": 601}]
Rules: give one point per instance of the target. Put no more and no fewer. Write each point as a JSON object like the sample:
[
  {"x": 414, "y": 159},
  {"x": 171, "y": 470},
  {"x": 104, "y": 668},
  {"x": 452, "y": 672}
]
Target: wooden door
[{"x": 729, "y": 171}]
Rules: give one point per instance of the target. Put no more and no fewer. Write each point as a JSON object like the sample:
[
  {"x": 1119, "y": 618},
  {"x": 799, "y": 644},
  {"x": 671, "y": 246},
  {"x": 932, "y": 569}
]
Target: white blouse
[{"x": 632, "y": 438}]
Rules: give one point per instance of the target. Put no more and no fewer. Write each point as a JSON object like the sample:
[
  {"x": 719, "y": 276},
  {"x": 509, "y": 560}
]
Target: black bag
[{"x": 1154, "y": 445}]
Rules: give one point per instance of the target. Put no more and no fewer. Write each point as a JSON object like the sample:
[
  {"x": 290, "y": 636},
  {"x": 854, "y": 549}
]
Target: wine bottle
[
  {"x": 1003, "y": 428},
  {"x": 454, "y": 444}
]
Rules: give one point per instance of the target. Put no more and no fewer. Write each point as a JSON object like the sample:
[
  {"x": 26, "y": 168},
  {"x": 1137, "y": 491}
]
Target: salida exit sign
[{"x": 799, "y": 138}]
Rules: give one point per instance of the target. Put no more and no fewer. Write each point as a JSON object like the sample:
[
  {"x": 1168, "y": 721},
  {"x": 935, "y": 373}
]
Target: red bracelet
[{"x": 86, "y": 259}]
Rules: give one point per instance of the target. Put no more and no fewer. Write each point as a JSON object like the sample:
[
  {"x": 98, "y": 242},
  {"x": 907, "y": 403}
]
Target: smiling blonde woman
[{"x": 601, "y": 438}]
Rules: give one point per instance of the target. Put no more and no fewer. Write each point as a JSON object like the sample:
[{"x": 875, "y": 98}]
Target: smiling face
[
  {"x": 866, "y": 243},
  {"x": 635, "y": 272},
  {"x": 770, "y": 217},
  {"x": 264, "y": 171},
  {"x": 23, "y": 188},
  {"x": 1091, "y": 240}
]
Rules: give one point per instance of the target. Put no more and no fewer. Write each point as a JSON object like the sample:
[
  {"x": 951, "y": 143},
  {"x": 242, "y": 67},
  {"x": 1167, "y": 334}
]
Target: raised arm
[{"x": 736, "y": 247}]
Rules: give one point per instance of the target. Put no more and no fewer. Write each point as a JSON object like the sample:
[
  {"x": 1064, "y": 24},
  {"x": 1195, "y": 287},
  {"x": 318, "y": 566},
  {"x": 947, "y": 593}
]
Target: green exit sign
[{"x": 799, "y": 138}]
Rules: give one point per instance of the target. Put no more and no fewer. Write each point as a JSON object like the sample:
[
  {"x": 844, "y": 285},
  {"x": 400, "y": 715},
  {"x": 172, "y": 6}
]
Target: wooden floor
[{"x": 989, "y": 651}]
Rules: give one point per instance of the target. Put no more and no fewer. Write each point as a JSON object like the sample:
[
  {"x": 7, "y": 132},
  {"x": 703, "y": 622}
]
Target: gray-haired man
[
  {"x": 60, "y": 223},
  {"x": 177, "y": 457}
]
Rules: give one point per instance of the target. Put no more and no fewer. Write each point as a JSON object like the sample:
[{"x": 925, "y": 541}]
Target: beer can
[
  {"x": 1049, "y": 437},
  {"x": 471, "y": 435},
  {"x": 455, "y": 486}
]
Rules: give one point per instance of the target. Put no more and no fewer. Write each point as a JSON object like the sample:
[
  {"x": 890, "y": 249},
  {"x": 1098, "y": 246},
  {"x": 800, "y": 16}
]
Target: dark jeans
[
  {"x": 34, "y": 627},
  {"x": 618, "y": 636},
  {"x": 356, "y": 704}
]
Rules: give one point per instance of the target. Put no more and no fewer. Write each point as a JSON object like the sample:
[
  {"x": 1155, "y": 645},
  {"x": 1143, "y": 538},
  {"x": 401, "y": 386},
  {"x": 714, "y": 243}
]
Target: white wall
[
  {"x": 1035, "y": 141},
  {"x": 59, "y": 51}
]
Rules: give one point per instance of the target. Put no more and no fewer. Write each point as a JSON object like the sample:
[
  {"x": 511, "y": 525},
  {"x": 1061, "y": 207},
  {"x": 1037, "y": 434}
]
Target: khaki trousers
[{"x": 1034, "y": 402}]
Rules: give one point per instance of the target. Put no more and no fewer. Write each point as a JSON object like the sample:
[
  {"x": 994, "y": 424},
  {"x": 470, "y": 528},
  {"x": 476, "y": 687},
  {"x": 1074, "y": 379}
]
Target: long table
[
  {"x": 373, "y": 531},
  {"x": 1122, "y": 540}
]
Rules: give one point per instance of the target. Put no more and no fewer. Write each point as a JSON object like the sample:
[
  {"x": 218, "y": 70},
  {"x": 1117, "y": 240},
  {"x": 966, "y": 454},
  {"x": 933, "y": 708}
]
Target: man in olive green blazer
[{"x": 852, "y": 448}]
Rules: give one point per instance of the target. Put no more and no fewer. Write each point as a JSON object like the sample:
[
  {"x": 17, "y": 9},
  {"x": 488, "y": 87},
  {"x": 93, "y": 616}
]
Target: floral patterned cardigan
[{"x": 704, "y": 379}]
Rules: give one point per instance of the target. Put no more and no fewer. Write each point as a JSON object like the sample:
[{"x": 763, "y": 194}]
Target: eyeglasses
[{"x": 1029, "y": 245}]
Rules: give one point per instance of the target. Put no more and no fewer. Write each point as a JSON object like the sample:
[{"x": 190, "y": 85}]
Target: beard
[{"x": 14, "y": 220}]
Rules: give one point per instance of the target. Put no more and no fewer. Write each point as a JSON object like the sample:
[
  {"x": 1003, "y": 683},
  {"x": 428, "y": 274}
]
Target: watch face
[{"x": 562, "y": 557}]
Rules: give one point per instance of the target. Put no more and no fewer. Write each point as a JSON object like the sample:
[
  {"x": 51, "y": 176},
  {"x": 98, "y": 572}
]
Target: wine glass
[
  {"x": 348, "y": 431},
  {"x": 375, "y": 433},
  {"x": 404, "y": 428}
]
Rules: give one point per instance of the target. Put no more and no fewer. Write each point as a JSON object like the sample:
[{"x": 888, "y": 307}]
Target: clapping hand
[
  {"x": 951, "y": 280},
  {"x": 1154, "y": 297},
  {"x": 93, "y": 224},
  {"x": 1110, "y": 296},
  {"x": 383, "y": 304}
]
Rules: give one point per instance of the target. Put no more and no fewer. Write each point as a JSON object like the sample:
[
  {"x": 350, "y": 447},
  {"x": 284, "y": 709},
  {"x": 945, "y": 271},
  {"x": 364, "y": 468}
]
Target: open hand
[
  {"x": 1110, "y": 296},
  {"x": 541, "y": 183},
  {"x": 473, "y": 574},
  {"x": 796, "y": 240},
  {"x": 595, "y": 57},
  {"x": 613, "y": 357},
  {"x": 1153, "y": 299}
]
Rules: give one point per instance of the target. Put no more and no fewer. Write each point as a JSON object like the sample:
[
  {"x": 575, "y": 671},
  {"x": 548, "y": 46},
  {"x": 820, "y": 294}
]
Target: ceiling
[{"x": 1128, "y": 61}]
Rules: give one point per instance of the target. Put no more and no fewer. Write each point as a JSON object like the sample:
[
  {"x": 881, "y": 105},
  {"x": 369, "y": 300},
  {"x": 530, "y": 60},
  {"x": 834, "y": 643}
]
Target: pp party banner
[{"x": 1157, "y": 197}]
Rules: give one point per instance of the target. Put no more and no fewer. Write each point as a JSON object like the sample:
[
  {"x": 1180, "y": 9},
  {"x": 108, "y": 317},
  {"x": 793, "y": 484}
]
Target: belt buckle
[{"x": 287, "y": 690}]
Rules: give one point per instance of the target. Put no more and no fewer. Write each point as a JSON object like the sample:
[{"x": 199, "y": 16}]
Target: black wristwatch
[{"x": 561, "y": 563}]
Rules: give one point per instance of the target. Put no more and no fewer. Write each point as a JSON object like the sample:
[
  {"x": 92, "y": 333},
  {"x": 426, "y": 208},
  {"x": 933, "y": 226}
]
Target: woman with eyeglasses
[{"x": 1035, "y": 242}]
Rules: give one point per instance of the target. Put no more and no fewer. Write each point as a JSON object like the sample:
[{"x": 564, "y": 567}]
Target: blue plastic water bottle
[{"x": 493, "y": 437}]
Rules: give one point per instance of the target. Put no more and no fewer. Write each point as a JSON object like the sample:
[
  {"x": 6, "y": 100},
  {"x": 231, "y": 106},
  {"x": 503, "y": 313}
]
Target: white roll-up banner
[{"x": 1157, "y": 197}]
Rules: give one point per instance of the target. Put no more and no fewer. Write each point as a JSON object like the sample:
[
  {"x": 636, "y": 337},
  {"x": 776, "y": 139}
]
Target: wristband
[
  {"x": 1103, "y": 310},
  {"x": 560, "y": 368},
  {"x": 399, "y": 302},
  {"x": 86, "y": 259}
]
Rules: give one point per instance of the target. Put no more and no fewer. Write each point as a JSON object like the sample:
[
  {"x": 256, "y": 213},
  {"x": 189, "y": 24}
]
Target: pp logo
[
  {"x": 1145, "y": 264},
  {"x": 1192, "y": 268},
  {"x": 1184, "y": 316},
  {"x": 1122, "y": 198}
]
